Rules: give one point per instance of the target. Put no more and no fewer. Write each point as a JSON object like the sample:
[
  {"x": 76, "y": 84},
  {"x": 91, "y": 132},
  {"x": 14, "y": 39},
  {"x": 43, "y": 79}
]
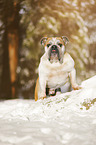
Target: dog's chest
[{"x": 57, "y": 76}]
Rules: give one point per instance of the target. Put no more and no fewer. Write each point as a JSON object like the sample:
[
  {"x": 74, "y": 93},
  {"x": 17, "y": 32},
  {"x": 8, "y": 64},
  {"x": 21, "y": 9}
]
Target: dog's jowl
[{"x": 55, "y": 68}]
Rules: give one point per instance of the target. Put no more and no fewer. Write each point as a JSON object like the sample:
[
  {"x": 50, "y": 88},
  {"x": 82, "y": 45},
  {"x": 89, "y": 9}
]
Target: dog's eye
[
  {"x": 60, "y": 44},
  {"x": 48, "y": 45}
]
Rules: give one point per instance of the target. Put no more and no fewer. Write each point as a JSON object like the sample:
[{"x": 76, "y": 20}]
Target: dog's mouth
[{"x": 54, "y": 55}]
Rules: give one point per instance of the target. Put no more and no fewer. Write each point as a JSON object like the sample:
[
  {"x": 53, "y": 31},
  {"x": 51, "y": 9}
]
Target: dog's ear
[
  {"x": 43, "y": 40},
  {"x": 65, "y": 39}
]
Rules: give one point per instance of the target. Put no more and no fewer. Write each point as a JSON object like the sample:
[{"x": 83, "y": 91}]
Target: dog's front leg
[
  {"x": 42, "y": 82},
  {"x": 75, "y": 86}
]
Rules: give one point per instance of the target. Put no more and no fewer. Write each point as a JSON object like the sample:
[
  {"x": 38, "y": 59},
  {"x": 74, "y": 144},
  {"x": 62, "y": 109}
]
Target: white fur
[{"x": 55, "y": 75}]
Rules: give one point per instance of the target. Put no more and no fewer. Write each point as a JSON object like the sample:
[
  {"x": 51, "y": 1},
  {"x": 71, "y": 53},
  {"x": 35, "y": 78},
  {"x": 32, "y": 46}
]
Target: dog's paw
[
  {"x": 76, "y": 87},
  {"x": 42, "y": 97}
]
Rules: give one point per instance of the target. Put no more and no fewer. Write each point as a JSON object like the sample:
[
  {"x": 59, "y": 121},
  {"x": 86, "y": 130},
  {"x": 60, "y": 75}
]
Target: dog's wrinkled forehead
[{"x": 54, "y": 40}]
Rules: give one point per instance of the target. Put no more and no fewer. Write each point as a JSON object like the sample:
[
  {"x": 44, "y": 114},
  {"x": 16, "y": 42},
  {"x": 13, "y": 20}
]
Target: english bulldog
[{"x": 55, "y": 68}]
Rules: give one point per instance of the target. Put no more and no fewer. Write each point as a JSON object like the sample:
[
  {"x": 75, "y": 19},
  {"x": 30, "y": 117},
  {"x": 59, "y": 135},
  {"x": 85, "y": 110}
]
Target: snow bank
[
  {"x": 79, "y": 101},
  {"x": 66, "y": 119}
]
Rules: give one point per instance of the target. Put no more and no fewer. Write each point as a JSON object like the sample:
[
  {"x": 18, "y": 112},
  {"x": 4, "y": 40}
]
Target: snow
[{"x": 65, "y": 119}]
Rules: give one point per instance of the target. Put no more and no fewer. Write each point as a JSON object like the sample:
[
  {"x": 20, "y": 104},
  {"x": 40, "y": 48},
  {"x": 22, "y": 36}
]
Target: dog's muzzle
[{"x": 54, "y": 54}]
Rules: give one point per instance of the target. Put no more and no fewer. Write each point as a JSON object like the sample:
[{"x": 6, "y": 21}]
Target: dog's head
[{"x": 54, "y": 47}]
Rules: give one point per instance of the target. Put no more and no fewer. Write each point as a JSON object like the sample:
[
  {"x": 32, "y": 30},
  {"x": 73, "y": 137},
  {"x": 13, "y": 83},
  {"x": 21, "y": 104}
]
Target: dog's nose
[{"x": 54, "y": 48}]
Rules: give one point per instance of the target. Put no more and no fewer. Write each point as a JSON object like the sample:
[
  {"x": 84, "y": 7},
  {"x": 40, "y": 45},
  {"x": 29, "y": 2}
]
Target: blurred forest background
[{"x": 24, "y": 22}]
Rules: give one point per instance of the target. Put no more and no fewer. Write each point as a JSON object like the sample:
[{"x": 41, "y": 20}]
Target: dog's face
[{"x": 54, "y": 47}]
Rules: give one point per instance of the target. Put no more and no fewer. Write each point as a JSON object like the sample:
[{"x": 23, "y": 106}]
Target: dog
[{"x": 55, "y": 68}]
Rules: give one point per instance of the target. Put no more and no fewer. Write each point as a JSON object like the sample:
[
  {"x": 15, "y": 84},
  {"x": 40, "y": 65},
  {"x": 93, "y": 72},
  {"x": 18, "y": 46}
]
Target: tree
[{"x": 10, "y": 20}]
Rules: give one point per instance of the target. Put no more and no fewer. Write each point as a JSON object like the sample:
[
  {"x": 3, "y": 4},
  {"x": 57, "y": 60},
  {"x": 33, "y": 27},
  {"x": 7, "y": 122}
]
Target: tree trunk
[
  {"x": 13, "y": 59},
  {"x": 11, "y": 41},
  {"x": 5, "y": 80}
]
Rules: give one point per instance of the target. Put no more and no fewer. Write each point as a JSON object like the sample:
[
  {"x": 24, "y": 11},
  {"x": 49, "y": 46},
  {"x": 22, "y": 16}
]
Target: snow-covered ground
[{"x": 66, "y": 119}]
